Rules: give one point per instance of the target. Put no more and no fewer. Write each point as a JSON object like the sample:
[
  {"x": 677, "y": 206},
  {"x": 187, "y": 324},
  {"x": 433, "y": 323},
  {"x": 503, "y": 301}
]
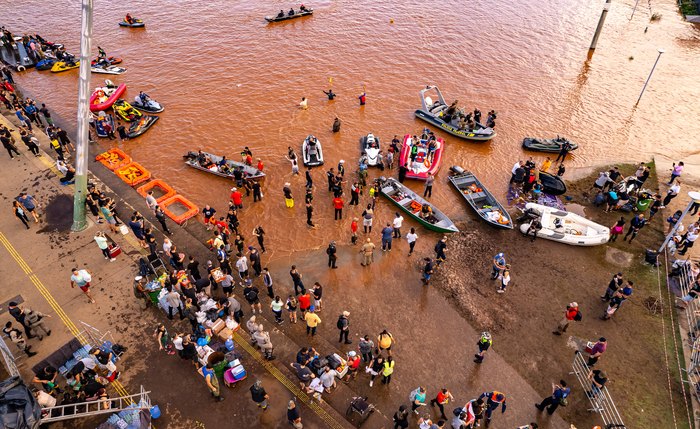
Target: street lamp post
[
  {"x": 634, "y": 9},
  {"x": 83, "y": 137},
  {"x": 694, "y": 199},
  {"x": 661, "y": 51},
  {"x": 601, "y": 21}
]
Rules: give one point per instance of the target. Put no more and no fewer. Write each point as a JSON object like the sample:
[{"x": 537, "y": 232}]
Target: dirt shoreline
[{"x": 548, "y": 275}]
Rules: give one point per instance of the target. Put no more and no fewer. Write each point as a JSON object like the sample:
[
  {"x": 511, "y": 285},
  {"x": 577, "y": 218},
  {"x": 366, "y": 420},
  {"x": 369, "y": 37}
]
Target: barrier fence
[{"x": 599, "y": 398}]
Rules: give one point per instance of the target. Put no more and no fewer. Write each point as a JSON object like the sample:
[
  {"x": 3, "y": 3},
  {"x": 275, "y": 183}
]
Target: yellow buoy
[{"x": 391, "y": 21}]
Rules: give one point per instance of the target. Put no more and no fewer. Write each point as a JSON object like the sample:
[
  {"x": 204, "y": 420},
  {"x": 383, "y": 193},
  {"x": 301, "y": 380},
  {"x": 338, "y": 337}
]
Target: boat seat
[
  {"x": 557, "y": 235},
  {"x": 477, "y": 195}
]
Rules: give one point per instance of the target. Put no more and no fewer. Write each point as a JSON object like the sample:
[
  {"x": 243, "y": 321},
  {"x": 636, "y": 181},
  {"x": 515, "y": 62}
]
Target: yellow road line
[
  {"x": 290, "y": 385},
  {"x": 52, "y": 302}
]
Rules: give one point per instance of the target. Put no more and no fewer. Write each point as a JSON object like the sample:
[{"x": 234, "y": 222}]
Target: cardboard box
[
  {"x": 225, "y": 333},
  {"x": 217, "y": 274},
  {"x": 218, "y": 325}
]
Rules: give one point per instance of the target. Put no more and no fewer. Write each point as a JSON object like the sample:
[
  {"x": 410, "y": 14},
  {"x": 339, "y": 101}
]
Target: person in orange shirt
[
  {"x": 260, "y": 165},
  {"x": 338, "y": 204}
]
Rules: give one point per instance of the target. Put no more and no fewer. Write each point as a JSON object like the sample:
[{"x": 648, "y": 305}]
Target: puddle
[{"x": 58, "y": 215}]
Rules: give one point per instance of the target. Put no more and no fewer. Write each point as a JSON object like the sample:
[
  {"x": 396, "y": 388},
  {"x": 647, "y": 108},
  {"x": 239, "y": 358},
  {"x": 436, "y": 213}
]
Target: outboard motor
[{"x": 456, "y": 169}]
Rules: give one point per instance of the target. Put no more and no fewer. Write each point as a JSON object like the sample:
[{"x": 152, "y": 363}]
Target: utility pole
[
  {"x": 694, "y": 199},
  {"x": 83, "y": 138},
  {"x": 598, "y": 29},
  {"x": 661, "y": 51}
]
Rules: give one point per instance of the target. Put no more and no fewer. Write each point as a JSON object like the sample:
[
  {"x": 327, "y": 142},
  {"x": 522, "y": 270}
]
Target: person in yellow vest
[{"x": 387, "y": 370}]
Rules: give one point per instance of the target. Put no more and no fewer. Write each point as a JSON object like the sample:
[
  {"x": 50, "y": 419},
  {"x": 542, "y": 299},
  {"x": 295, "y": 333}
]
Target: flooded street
[{"x": 228, "y": 79}]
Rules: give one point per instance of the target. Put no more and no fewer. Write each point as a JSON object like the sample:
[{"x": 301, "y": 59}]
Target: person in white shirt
[
  {"x": 242, "y": 266},
  {"x": 689, "y": 238},
  {"x": 151, "y": 201},
  {"x": 398, "y": 221},
  {"x": 103, "y": 244},
  {"x": 167, "y": 245},
  {"x": 672, "y": 193},
  {"x": 411, "y": 238}
]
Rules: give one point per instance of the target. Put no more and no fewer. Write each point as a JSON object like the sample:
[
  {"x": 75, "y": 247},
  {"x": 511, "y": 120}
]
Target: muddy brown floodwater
[{"x": 228, "y": 79}]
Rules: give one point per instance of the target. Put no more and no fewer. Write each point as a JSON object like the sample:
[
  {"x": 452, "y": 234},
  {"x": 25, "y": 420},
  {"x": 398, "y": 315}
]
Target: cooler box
[{"x": 338, "y": 364}]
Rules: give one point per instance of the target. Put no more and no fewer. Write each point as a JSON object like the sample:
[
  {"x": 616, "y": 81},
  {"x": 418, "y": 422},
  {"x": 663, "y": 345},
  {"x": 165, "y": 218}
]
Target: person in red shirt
[
  {"x": 260, "y": 165},
  {"x": 304, "y": 303},
  {"x": 571, "y": 313},
  {"x": 237, "y": 198},
  {"x": 249, "y": 159},
  {"x": 353, "y": 228},
  {"x": 353, "y": 365},
  {"x": 443, "y": 398},
  {"x": 338, "y": 204}
]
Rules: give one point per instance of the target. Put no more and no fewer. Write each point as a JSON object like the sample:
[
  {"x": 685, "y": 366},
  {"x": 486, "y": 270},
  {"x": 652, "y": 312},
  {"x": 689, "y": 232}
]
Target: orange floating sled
[
  {"x": 190, "y": 209},
  {"x": 113, "y": 159},
  {"x": 133, "y": 173},
  {"x": 167, "y": 190}
]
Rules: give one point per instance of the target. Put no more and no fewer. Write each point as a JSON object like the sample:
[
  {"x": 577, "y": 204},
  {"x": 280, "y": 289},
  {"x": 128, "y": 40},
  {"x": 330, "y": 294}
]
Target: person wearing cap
[
  {"x": 262, "y": 340},
  {"x": 344, "y": 327},
  {"x": 35, "y": 321},
  {"x": 353, "y": 362},
  {"x": 571, "y": 313},
  {"x": 237, "y": 198},
  {"x": 259, "y": 395},
  {"x": 499, "y": 264},
  {"x": 367, "y": 251},
  {"x": 293, "y": 415},
  {"x": 312, "y": 321},
  {"x": 140, "y": 292},
  {"x": 484, "y": 343}
]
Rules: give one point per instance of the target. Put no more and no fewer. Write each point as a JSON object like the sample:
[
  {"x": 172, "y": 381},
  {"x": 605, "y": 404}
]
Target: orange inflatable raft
[
  {"x": 179, "y": 216},
  {"x": 133, "y": 174},
  {"x": 166, "y": 190},
  {"x": 113, "y": 159}
]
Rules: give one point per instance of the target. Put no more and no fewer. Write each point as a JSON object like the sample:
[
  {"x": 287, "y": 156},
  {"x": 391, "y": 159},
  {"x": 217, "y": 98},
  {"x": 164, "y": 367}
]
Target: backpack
[
  {"x": 412, "y": 396},
  {"x": 578, "y": 316},
  {"x": 251, "y": 295},
  {"x": 458, "y": 411},
  {"x": 341, "y": 323}
]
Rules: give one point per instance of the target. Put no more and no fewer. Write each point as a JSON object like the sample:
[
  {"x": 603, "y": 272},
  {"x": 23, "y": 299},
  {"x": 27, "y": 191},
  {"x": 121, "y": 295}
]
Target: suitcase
[{"x": 114, "y": 250}]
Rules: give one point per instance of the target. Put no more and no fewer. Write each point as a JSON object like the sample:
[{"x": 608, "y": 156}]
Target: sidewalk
[{"x": 45, "y": 254}]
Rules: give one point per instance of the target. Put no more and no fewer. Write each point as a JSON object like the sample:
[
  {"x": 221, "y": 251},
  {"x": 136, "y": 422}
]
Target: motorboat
[
  {"x": 566, "y": 227},
  {"x": 369, "y": 146},
  {"x": 415, "y": 206},
  {"x": 480, "y": 199}
]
